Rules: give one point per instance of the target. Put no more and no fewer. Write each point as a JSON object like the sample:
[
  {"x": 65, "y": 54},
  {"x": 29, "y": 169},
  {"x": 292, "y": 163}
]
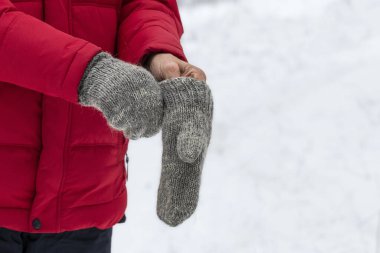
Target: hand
[
  {"x": 165, "y": 66},
  {"x": 186, "y": 133},
  {"x": 128, "y": 96}
]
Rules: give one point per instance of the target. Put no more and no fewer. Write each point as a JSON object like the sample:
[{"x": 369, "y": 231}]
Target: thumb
[{"x": 191, "y": 141}]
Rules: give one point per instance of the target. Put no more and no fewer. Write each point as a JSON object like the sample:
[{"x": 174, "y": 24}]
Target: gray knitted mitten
[
  {"x": 186, "y": 133},
  {"x": 128, "y": 95}
]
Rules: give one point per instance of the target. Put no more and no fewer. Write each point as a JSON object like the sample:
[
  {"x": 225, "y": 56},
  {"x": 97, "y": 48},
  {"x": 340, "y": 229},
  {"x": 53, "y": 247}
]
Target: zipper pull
[{"x": 126, "y": 164}]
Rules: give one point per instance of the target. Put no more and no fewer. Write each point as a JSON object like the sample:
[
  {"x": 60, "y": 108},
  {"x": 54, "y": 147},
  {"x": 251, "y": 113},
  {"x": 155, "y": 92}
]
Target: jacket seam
[
  {"x": 76, "y": 53},
  {"x": 98, "y": 204},
  {"x": 8, "y": 28},
  {"x": 109, "y": 6},
  {"x": 19, "y": 145},
  {"x": 26, "y": 1},
  {"x": 64, "y": 167},
  {"x": 117, "y": 34},
  {"x": 68, "y": 128},
  {"x": 10, "y": 207},
  {"x": 71, "y": 63},
  {"x": 43, "y": 10},
  {"x": 89, "y": 145}
]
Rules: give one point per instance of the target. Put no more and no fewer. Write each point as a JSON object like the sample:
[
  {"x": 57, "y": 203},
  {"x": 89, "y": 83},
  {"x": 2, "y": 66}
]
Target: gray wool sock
[
  {"x": 186, "y": 134},
  {"x": 128, "y": 95}
]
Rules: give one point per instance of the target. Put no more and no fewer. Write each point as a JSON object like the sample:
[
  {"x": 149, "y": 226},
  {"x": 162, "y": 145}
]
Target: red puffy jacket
[{"x": 61, "y": 166}]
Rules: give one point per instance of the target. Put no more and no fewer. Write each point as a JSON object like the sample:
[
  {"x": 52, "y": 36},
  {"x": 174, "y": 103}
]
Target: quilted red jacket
[{"x": 61, "y": 167}]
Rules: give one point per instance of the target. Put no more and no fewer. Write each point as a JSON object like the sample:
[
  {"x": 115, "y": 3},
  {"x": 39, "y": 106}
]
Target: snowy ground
[{"x": 294, "y": 164}]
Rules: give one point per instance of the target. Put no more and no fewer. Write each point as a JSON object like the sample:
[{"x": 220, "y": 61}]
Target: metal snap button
[{"x": 36, "y": 223}]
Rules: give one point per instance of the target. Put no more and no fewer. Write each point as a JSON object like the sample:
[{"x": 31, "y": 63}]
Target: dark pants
[{"x": 90, "y": 240}]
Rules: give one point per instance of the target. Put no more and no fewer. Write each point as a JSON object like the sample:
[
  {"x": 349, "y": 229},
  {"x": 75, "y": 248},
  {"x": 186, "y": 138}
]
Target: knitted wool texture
[
  {"x": 128, "y": 95},
  {"x": 186, "y": 133},
  {"x": 132, "y": 101}
]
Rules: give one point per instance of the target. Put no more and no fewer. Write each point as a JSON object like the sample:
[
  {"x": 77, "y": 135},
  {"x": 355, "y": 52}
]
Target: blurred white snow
[{"x": 294, "y": 163}]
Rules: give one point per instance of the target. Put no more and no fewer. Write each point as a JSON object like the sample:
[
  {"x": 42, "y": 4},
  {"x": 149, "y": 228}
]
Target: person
[{"x": 78, "y": 79}]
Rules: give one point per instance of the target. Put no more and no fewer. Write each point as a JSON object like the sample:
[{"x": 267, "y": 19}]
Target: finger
[
  {"x": 191, "y": 141},
  {"x": 171, "y": 70},
  {"x": 189, "y": 70},
  {"x": 198, "y": 75}
]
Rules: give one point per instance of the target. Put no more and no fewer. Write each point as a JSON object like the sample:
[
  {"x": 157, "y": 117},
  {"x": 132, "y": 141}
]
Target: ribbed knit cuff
[
  {"x": 187, "y": 93},
  {"x": 85, "y": 84}
]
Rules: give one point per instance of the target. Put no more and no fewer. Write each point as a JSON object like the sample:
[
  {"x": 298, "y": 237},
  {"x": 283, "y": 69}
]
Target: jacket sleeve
[
  {"x": 36, "y": 56},
  {"x": 149, "y": 26}
]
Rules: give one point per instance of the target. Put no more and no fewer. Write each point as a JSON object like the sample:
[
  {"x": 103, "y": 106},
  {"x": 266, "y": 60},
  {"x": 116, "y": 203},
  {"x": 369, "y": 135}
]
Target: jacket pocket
[
  {"x": 93, "y": 176},
  {"x": 18, "y": 169}
]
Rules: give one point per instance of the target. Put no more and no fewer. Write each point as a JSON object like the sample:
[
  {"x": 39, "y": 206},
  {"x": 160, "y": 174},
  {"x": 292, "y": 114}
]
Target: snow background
[{"x": 293, "y": 166}]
